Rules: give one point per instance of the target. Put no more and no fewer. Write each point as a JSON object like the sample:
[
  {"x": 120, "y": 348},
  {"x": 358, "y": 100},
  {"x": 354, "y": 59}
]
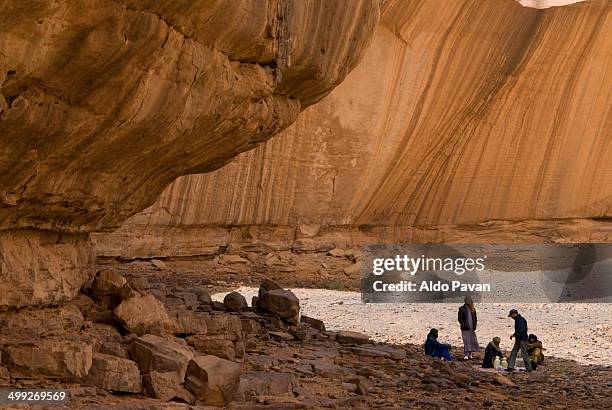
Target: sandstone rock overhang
[{"x": 103, "y": 103}]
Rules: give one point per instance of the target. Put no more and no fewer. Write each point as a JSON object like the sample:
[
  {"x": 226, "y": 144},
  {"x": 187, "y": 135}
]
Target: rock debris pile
[{"x": 128, "y": 343}]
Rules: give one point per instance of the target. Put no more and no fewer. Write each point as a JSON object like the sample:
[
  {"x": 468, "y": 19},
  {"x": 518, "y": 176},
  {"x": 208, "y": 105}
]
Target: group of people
[{"x": 529, "y": 345}]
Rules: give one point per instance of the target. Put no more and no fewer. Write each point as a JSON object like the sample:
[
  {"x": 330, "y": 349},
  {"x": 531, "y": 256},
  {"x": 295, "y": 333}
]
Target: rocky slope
[
  {"x": 190, "y": 352},
  {"x": 104, "y": 102},
  {"x": 479, "y": 121}
]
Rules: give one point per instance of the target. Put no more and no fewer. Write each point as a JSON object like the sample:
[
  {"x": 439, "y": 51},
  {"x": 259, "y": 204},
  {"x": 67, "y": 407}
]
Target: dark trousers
[
  {"x": 442, "y": 353},
  {"x": 522, "y": 345}
]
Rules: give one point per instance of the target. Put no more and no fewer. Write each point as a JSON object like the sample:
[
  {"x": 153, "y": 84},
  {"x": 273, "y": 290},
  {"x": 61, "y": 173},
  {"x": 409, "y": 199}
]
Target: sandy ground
[{"x": 582, "y": 332}]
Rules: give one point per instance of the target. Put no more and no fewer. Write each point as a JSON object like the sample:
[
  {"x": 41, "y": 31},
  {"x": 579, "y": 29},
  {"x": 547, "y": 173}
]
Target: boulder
[
  {"x": 107, "y": 282},
  {"x": 349, "y": 337},
  {"x": 282, "y": 303},
  {"x": 142, "y": 314},
  {"x": 315, "y": 323},
  {"x": 110, "y": 288},
  {"x": 166, "y": 386},
  {"x": 114, "y": 374},
  {"x": 212, "y": 380},
  {"x": 235, "y": 302},
  {"x": 213, "y": 345},
  {"x": 268, "y": 285},
  {"x": 60, "y": 359},
  {"x": 153, "y": 353}
]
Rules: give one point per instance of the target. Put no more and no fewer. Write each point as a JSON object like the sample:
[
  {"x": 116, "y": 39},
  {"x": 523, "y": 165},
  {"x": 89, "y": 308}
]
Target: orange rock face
[
  {"x": 484, "y": 121},
  {"x": 103, "y": 103}
]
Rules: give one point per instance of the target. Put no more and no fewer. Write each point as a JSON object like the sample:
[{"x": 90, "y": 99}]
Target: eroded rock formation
[
  {"x": 104, "y": 102},
  {"x": 478, "y": 121}
]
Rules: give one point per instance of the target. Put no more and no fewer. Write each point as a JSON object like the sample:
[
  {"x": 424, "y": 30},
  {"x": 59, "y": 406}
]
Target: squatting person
[
  {"x": 535, "y": 348},
  {"x": 492, "y": 350}
]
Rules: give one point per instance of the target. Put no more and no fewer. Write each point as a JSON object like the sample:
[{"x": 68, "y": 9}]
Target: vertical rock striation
[{"x": 473, "y": 121}]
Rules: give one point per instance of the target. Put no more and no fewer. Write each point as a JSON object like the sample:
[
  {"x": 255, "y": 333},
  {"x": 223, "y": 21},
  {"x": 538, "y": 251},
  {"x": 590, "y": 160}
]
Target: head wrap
[{"x": 495, "y": 342}]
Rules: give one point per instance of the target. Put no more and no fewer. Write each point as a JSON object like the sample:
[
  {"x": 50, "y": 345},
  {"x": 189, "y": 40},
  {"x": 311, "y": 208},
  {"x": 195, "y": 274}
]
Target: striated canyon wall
[
  {"x": 476, "y": 121},
  {"x": 103, "y": 103}
]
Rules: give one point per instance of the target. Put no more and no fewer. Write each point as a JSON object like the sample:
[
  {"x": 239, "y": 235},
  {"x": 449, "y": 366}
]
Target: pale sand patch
[{"x": 580, "y": 331}]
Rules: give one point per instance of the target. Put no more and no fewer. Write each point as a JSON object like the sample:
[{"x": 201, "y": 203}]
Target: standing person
[
  {"x": 468, "y": 320},
  {"x": 520, "y": 341},
  {"x": 436, "y": 349},
  {"x": 491, "y": 352}
]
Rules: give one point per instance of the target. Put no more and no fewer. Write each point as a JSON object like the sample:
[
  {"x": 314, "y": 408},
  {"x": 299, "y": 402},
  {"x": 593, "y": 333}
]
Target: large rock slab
[
  {"x": 212, "y": 380},
  {"x": 154, "y": 353},
  {"x": 143, "y": 314},
  {"x": 114, "y": 374},
  {"x": 163, "y": 363},
  {"x": 41, "y": 268},
  {"x": 166, "y": 386},
  {"x": 190, "y": 323},
  {"x": 213, "y": 345},
  {"x": 61, "y": 359}
]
